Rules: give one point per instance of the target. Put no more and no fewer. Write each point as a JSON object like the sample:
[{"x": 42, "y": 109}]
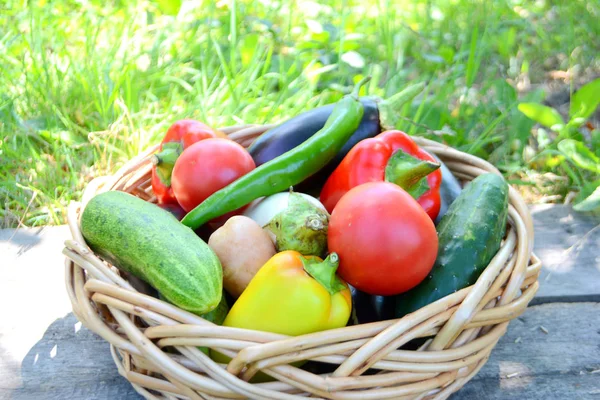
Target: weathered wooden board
[
  {"x": 568, "y": 244},
  {"x": 68, "y": 362},
  {"x": 559, "y": 364}
]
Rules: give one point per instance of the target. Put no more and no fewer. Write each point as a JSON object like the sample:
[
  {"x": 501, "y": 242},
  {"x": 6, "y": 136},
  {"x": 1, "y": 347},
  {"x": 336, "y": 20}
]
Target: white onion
[{"x": 263, "y": 210}]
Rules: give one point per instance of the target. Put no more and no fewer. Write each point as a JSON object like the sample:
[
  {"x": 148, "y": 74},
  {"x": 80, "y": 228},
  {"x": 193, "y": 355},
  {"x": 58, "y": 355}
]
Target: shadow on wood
[{"x": 70, "y": 362}]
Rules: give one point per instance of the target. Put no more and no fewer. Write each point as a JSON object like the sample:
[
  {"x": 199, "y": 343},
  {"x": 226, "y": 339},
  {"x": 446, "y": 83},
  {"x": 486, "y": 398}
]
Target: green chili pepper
[{"x": 288, "y": 169}]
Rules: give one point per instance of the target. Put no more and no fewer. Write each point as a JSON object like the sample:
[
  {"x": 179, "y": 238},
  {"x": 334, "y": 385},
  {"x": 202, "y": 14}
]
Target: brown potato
[{"x": 243, "y": 247}]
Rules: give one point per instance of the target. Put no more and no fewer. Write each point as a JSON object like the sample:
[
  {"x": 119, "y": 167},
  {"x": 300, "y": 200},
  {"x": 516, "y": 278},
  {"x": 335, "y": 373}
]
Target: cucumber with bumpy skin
[
  {"x": 148, "y": 242},
  {"x": 469, "y": 236}
]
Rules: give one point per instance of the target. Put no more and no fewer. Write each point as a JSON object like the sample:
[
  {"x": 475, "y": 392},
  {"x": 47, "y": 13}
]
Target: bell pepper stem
[
  {"x": 165, "y": 161},
  {"x": 409, "y": 172},
  {"x": 324, "y": 272},
  {"x": 390, "y": 107}
]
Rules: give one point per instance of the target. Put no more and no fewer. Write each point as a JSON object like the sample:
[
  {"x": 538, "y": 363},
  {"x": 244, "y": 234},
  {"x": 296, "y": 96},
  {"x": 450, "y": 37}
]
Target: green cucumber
[
  {"x": 150, "y": 243},
  {"x": 216, "y": 315},
  {"x": 469, "y": 236}
]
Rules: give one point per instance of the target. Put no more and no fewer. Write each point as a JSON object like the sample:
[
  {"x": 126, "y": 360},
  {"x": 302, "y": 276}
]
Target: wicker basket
[{"x": 154, "y": 344}]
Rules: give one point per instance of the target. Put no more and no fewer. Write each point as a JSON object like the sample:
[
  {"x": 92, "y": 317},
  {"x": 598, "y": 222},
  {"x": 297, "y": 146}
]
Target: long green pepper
[{"x": 287, "y": 170}]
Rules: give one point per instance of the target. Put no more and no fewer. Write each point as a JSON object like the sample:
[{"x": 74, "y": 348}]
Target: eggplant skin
[
  {"x": 450, "y": 189},
  {"x": 296, "y": 130},
  {"x": 370, "y": 308}
]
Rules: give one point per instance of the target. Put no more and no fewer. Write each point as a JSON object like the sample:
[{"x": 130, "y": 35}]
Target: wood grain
[
  {"x": 568, "y": 243},
  {"x": 528, "y": 363}
]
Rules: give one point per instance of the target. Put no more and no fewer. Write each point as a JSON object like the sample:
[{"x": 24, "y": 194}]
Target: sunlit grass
[{"x": 84, "y": 86}]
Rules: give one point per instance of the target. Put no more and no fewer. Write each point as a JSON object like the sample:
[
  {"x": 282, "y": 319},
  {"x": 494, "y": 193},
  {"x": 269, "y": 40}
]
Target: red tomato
[
  {"x": 207, "y": 166},
  {"x": 188, "y": 131},
  {"x": 386, "y": 242},
  {"x": 185, "y": 132}
]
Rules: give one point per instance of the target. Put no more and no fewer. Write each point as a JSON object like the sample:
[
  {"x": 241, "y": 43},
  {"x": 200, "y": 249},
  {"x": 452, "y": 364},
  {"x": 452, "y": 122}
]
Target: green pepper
[{"x": 289, "y": 169}]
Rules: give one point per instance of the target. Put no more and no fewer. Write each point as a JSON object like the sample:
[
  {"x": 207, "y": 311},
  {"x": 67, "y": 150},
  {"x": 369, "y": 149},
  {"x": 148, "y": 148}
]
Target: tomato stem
[{"x": 165, "y": 161}]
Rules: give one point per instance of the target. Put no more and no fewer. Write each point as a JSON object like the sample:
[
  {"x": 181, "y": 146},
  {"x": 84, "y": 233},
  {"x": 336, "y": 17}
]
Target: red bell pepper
[
  {"x": 391, "y": 156},
  {"x": 179, "y": 136}
]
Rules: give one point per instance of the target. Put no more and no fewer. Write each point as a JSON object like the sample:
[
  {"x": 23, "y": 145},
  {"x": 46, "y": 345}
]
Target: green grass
[{"x": 86, "y": 85}]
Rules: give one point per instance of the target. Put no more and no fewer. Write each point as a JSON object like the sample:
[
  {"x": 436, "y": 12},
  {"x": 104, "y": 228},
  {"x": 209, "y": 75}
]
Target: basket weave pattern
[{"x": 155, "y": 344}]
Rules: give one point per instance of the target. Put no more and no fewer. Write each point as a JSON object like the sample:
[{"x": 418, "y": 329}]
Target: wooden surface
[
  {"x": 46, "y": 354},
  {"x": 569, "y": 245}
]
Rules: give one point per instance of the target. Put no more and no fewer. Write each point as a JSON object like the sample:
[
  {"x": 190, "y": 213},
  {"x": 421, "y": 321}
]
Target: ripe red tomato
[
  {"x": 207, "y": 166},
  {"x": 386, "y": 243},
  {"x": 188, "y": 131},
  {"x": 185, "y": 132}
]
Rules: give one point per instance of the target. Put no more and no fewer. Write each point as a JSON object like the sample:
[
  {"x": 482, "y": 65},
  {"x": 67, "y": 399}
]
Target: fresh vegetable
[
  {"x": 386, "y": 242},
  {"x": 216, "y": 316},
  {"x": 450, "y": 188},
  {"x": 207, "y": 166},
  {"x": 293, "y": 294},
  {"x": 264, "y": 209},
  {"x": 378, "y": 115},
  {"x": 242, "y": 247},
  {"x": 470, "y": 234},
  {"x": 179, "y": 136},
  {"x": 295, "y": 222},
  {"x": 148, "y": 242},
  {"x": 391, "y": 156},
  {"x": 174, "y": 208},
  {"x": 371, "y": 308},
  {"x": 288, "y": 169}
]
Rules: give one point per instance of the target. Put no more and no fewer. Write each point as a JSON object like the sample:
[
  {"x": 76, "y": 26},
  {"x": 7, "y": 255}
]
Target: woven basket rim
[{"x": 466, "y": 325}]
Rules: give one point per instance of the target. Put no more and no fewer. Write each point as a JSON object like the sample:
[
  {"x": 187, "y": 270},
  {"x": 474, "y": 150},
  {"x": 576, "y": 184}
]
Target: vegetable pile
[{"x": 328, "y": 219}]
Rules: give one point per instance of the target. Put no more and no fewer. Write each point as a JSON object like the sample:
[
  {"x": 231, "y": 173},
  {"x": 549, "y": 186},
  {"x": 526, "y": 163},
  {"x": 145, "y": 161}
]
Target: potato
[{"x": 243, "y": 247}]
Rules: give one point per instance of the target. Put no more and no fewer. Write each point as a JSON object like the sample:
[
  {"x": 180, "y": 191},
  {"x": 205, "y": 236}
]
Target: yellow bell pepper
[{"x": 293, "y": 295}]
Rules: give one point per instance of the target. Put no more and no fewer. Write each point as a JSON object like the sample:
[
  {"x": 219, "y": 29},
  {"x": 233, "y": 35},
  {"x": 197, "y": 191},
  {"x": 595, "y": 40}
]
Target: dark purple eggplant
[
  {"x": 449, "y": 190},
  {"x": 378, "y": 115},
  {"x": 370, "y": 308},
  {"x": 295, "y": 131}
]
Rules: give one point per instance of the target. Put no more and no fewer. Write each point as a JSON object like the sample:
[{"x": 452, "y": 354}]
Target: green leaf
[
  {"x": 585, "y": 101},
  {"x": 590, "y": 203},
  {"x": 170, "y": 7},
  {"x": 353, "y": 59},
  {"x": 447, "y": 53},
  {"x": 580, "y": 154},
  {"x": 546, "y": 116}
]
